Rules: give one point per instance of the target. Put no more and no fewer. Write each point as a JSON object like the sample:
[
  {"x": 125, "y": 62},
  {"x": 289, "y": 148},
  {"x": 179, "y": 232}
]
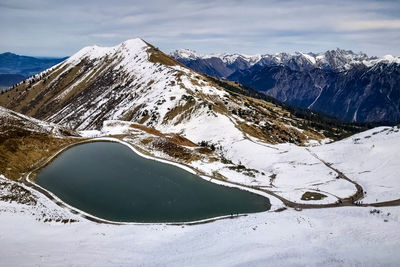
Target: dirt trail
[{"x": 350, "y": 201}]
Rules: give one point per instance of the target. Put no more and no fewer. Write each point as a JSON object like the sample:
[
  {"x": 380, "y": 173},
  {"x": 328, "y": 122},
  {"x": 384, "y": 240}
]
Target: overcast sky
[{"x": 60, "y": 28}]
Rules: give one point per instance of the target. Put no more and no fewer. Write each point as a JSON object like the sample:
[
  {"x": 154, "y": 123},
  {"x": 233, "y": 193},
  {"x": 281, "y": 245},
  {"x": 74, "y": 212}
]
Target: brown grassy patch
[
  {"x": 180, "y": 110},
  {"x": 219, "y": 176},
  {"x": 171, "y": 144},
  {"x": 312, "y": 196},
  {"x": 195, "y": 82},
  {"x": 144, "y": 119},
  {"x": 20, "y": 155},
  {"x": 175, "y": 138},
  {"x": 180, "y": 140},
  {"x": 255, "y": 132},
  {"x": 174, "y": 150},
  {"x": 146, "y": 141},
  {"x": 146, "y": 129},
  {"x": 204, "y": 150},
  {"x": 220, "y": 108},
  {"x": 213, "y": 159},
  {"x": 156, "y": 56},
  {"x": 150, "y": 83},
  {"x": 132, "y": 113}
]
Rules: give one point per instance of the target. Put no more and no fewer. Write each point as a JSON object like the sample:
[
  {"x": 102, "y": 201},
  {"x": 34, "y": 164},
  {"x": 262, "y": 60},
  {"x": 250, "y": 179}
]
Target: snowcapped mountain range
[
  {"x": 336, "y": 60},
  {"x": 340, "y": 83},
  {"x": 135, "y": 82}
]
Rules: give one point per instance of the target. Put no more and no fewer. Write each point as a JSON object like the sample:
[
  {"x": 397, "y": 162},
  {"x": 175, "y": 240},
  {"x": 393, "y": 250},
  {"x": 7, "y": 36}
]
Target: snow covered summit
[{"x": 126, "y": 48}]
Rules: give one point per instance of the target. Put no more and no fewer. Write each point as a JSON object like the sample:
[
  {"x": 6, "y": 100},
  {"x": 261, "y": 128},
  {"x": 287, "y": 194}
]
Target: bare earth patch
[{"x": 312, "y": 196}]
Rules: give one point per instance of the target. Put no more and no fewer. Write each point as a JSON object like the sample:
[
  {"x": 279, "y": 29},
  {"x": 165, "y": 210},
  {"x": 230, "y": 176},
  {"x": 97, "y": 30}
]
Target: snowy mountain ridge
[
  {"x": 135, "y": 82},
  {"x": 95, "y": 52},
  {"x": 338, "y": 59},
  {"x": 225, "y": 57}
]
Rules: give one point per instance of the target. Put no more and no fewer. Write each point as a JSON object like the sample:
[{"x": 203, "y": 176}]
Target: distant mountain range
[
  {"x": 15, "y": 68},
  {"x": 7, "y": 80},
  {"x": 351, "y": 86}
]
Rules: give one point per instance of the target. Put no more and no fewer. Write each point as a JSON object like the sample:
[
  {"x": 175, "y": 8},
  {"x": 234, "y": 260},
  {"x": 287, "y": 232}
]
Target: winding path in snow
[{"x": 350, "y": 201}]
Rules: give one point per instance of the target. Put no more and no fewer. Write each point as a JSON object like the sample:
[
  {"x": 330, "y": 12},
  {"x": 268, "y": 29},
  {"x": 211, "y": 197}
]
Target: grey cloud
[{"x": 58, "y": 28}]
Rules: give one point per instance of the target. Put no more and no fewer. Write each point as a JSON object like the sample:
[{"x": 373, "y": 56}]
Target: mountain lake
[{"x": 110, "y": 181}]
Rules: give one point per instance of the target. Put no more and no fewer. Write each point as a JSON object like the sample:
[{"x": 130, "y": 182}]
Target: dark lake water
[{"x": 112, "y": 182}]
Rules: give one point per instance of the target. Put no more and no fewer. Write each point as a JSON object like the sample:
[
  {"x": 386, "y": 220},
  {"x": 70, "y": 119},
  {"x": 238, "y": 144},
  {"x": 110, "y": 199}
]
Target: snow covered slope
[
  {"x": 25, "y": 142},
  {"x": 369, "y": 158},
  {"x": 11, "y": 122}
]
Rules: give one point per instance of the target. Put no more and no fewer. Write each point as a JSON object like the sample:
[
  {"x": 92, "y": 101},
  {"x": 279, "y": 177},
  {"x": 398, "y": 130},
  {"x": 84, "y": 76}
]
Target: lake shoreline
[{"x": 29, "y": 180}]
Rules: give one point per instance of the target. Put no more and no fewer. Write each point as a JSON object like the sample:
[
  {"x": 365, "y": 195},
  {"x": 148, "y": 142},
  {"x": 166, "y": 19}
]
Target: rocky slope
[
  {"x": 26, "y": 142},
  {"x": 352, "y": 87},
  {"x": 135, "y": 82},
  {"x": 360, "y": 94}
]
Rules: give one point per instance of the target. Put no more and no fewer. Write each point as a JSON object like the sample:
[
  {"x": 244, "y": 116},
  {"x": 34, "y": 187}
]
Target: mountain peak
[
  {"x": 126, "y": 48},
  {"x": 185, "y": 54},
  {"x": 390, "y": 59},
  {"x": 8, "y": 54},
  {"x": 133, "y": 43}
]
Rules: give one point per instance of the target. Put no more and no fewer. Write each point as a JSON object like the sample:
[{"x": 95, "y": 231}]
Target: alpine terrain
[
  {"x": 222, "y": 131},
  {"x": 340, "y": 83}
]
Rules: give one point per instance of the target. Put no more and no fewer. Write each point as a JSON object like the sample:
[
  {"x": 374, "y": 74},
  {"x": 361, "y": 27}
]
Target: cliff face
[{"x": 361, "y": 94}]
